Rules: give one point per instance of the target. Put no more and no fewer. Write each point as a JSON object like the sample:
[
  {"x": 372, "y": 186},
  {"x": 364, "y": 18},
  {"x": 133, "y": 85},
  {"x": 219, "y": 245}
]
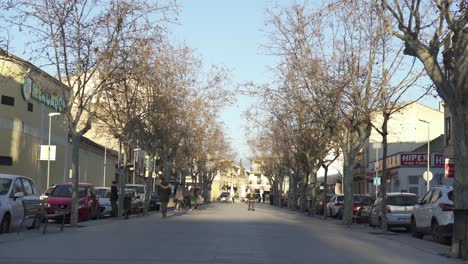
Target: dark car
[
  {"x": 154, "y": 202},
  {"x": 359, "y": 201},
  {"x": 224, "y": 197},
  {"x": 319, "y": 204}
]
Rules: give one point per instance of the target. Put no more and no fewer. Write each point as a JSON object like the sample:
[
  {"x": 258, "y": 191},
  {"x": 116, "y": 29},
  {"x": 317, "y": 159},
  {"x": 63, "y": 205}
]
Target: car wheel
[
  {"x": 340, "y": 214},
  {"x": 414, "y": 230},
  {"x": 5, "y": 224},
  {"x": 36, "y": 223},
  {"x": 436, "y": 231}
]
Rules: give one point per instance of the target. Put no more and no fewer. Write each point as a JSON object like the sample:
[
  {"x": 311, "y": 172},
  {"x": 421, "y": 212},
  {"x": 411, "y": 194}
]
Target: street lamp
[
  {"x": 428, "y": 176},
  {"x": 134, "y": 163},
  {"x": 48, "y": 152}
]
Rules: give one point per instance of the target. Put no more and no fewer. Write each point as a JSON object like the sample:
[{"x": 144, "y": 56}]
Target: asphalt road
[{"x": 220, "y": 233}]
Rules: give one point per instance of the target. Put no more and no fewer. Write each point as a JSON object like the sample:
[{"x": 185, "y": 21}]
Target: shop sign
[
  {"x": 32, "y": 90},
  {"x": 420, "y": 159},
  {"x": 449, "y": 168},
  {"x": 413, "y": 159}
]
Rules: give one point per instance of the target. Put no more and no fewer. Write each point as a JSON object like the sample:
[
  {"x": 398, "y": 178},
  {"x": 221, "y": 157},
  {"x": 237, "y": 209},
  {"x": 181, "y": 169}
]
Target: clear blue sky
[{"x": 229, "y": 33}]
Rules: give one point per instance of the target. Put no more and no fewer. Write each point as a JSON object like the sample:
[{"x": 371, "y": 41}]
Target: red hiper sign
[{"x": 449, "y": 168}]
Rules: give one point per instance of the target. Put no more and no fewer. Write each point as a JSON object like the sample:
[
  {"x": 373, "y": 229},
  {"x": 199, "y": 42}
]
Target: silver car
[
  {"x": 103, "y": 193},
  {"x": 13, "y": 190},
  {"x": 399, "y": 208}
]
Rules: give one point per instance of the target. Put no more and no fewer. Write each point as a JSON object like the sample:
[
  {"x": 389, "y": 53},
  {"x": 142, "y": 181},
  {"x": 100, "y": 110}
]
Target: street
[{"x": 219, "y": 233}]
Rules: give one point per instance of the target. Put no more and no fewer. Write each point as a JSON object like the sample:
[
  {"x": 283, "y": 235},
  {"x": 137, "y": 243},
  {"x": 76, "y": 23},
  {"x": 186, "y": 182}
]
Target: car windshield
[
  {"x": 450, "y": 195},
  {"x": 101, "y": 192},
  {"x": 4, "y": 186},
  {"x": 365, "y": 200},
  {"x": 49, "y": 191},
  {"x": 402, "y": 200},
  {"x": 138, "y": 189},
  {"x": 66, "y": 191},
  {"x": 340, "y": 198}
]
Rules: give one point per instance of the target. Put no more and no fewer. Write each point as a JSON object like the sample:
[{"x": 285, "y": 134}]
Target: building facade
[
  {"x": 28, "y": 96},
  {"x": 408, "y": 129}
]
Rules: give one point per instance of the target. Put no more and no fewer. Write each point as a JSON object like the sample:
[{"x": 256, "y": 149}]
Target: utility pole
[{"x": 48, "y": 151}]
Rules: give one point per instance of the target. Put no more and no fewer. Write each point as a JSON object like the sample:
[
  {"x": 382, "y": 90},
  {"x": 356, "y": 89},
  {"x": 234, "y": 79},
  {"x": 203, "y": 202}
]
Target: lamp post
[
  {"x": 134, "y": 162},
  {"x": 428, "y": 178},
  {"x": 48, "y": 151}
]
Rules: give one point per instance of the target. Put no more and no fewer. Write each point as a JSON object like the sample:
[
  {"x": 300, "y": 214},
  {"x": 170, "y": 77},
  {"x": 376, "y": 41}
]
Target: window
[
  {"x": 4, "y": 186},
  {"x": 17, "y": 187},
  {"x": 28, "y": 189},
  {"x": 402, "y": 200},
  {"x": 413, "y": 180},
  {"x": 447, "y": 130},
  {"x": 450, "y": 195},
  {"x": 30, "y": 107},
  {"x": 427, "y": 197},
  {"x": 7, "y": 161},
  {"x": 8, "y": 100},
  {"x": 435, "y": 196}
]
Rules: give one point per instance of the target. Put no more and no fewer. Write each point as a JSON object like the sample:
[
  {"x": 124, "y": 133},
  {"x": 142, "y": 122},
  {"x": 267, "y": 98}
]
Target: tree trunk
[
  {"x": 325, "y": 191},
  {"x": 383, "y": 186},
  {"x": 76, "y": 139},
  {"x": 292, "y": 194},
  {"x": 460, "y": 185},
  {"x": 121, "y": 179},
  {"x": 348, "y": 183},
  {"x": 149, "y": 184}
]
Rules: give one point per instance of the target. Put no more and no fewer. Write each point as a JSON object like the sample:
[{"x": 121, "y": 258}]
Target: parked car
[
  {"x": 224, "y": 197},
  {"x": 154, "y": 201},
  {"x": 13, "y": 190},
  {"x": 136, "y": 203},
  {"x": 140, "y": 190},
  {"x": 319, "y": 204},
  {"x": 61, "y": 197},
  {"x": 46, "y": 194},
  {"x": 334, "y": 205},
  {"x": 434, "y": 214},
  {"x": 103, "y": 194},
  {"x": 399, "y": 208},
  {"x": 359, "y": 201}
]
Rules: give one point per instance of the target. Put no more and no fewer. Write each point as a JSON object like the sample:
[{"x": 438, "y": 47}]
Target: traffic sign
[
  {"x": 427, "y": 178},
  {"x": 376, "y": 180}
]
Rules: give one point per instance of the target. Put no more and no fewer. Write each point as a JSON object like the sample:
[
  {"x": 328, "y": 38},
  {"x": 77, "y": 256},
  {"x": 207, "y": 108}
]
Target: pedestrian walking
[
  {"x": 114, "y": 197},
  {"x": 186, "y": 195},
  {"x": 179, "y": 197},
  {"x": 164, "y": 191},
  {"x": 251, "y": 198},
  {"x": 193, "y": 199}
]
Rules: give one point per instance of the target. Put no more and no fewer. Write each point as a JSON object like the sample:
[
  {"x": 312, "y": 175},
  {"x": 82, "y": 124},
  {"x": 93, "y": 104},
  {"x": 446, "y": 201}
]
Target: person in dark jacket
[
  {"x": 114, "y": 197},
  {"x": 164, "y": 191}
]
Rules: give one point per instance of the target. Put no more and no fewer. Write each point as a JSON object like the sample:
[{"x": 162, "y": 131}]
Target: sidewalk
[
  {"x": 54, "y": 228},
  {"x": 405, "y": 238}
]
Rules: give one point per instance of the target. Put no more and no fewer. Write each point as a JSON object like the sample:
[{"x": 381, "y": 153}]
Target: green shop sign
[{"x": 32, "y": 90}]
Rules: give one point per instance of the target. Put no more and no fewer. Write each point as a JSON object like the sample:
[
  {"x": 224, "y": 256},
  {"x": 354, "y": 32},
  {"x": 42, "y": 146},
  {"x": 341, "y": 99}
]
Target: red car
[
  {"x": 88, "y": 203},
  {"x": 359, "y": 200}
]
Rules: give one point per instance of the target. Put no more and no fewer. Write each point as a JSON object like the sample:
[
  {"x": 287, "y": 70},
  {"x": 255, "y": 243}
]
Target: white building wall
[{"x": 406, "y": 132}]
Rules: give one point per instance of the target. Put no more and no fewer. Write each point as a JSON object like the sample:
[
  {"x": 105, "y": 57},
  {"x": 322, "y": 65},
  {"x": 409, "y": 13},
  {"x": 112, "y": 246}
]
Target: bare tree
[
  {"x": 79, "y": 39},
  {"x": 424, "y": 28}
]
